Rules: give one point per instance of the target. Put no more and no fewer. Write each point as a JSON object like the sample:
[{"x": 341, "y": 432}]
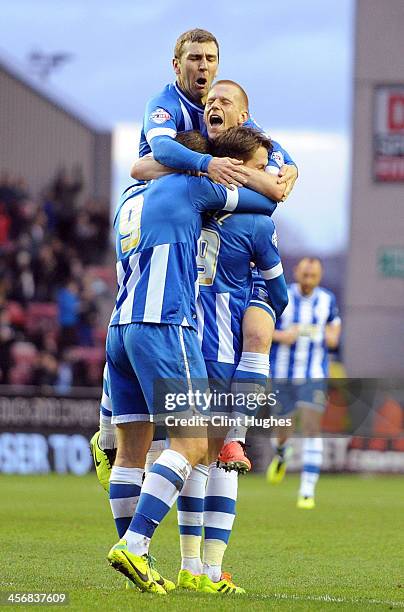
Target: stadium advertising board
[
  {"x": 41, "y": 433},
  {"x": 388, "y": 136},
  {"x": 363, "y": 429}
]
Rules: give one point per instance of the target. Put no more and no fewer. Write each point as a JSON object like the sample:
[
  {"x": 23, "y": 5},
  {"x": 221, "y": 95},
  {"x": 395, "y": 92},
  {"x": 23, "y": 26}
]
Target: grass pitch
[{"x": 347, "y": 554}]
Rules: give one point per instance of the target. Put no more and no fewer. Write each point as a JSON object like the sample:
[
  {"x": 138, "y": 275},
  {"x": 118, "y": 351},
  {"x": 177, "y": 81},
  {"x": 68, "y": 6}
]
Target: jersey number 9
[
  {"x": 129, "y": 223},
  {"x": 208, "y": 252}
]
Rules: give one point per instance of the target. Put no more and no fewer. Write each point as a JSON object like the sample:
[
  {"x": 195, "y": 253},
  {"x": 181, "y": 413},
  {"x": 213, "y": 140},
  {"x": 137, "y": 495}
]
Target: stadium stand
[{"x": 53, "y": 280}]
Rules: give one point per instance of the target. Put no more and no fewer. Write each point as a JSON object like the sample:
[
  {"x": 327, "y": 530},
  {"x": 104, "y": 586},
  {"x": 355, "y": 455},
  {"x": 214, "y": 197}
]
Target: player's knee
[
  {"x": 256, "y": 340},
  {"x": 195, "y": 449}
]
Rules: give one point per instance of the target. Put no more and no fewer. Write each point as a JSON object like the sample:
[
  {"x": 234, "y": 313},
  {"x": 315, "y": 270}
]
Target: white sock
[
  {"x": 190, "y": 519},
  {"x": 250, "y": 377},
  {"x": 154, "y": 452},
  {"x": 107, "y": 439},
  {"x": 312, "y": 460},
  {"x": 219, "y": 515}
]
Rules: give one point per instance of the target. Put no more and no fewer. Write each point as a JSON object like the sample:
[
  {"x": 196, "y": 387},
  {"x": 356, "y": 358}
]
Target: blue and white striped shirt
[
  {"x": 157, "y": 227},
  {"x": 308, "y": 357}
]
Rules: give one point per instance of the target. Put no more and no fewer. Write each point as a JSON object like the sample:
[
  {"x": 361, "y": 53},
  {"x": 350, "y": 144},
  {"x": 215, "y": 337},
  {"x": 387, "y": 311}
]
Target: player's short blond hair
[{"x": 195, "y": 35}]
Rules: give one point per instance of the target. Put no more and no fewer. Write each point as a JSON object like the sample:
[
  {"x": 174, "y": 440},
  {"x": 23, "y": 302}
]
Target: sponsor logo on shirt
[
  {"x": 275, "y": 239},
  {"x": 159, "y": 116},
  {"x": 278, "y": 158}
]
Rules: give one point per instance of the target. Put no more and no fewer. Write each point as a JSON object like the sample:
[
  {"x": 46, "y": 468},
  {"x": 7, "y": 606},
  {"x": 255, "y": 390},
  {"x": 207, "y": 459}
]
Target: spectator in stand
[
  {"x": 69, "y": 309},
  {"x": 46, "y": 371},
  {"x": 7, "y": 336},
  {"x": 66, "y": 189},
  {"x": 44, "y": 252}
]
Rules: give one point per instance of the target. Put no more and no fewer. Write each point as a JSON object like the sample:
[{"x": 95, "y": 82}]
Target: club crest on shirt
[
  {"x": 159, "y": 116},
  {"x": 278, "y": 158},
  {"x": 275, "y": 239}
]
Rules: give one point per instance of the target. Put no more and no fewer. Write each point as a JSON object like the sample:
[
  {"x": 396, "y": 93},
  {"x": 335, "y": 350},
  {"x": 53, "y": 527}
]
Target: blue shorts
[
  {"x": 260, "y": 298},
  {"x": 294, "y": 394},
  {"x": 148, "y": 366}
]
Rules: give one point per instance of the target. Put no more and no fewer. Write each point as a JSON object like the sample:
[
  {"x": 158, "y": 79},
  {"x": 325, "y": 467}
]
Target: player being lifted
[
  {"x": 228, "y": 244},
  {"x": 309, "y": 327},
  {"x": 227, "y": 106},
  {"x": 196, "y": 57}
]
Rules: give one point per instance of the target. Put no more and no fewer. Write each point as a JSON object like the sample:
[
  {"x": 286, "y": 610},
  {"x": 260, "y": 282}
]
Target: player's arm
[
  {"x": 160, "y": 129},
  {"x": 332, "y": 334},
  {"x": 333, "y": 328},
  {"x": 286, "y": 336},
  {"x": 207, "y": 195},
  {"x": 265, "y": 183},
  {"x": 147, "y": 168},
  {"x": 268, "y": 261},
  {"x": 284, "y": 167}
]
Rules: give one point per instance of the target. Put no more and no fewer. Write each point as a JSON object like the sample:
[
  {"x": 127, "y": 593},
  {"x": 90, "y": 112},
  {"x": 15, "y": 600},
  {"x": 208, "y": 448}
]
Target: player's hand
[
  {"x": 291, "y": 334},
  {"x": 227, "y": 171},
  {"x": 287, "y": 175}
]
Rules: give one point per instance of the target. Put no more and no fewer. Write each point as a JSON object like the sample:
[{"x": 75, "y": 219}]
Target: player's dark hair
[
  {"x": 240, "y": 142},
  {"x": 195, "y": 35},
  {"x": 242, "y": 92},
  {"x": 193, "y": 139}
]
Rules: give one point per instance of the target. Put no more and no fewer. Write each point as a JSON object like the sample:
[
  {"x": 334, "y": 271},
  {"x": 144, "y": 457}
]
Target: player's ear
[
  {"x": 242, "y": 118},
  {"x": 176, "y": 66}
]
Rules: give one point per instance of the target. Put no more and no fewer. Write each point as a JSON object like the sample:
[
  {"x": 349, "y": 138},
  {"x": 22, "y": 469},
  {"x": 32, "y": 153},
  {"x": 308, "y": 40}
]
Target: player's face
[
  {"x": 196, "y": 69},
  {"x": 308, "y": 275},
  {"x": 259, "y": 160},
  {"x": 224, "y": 109}
]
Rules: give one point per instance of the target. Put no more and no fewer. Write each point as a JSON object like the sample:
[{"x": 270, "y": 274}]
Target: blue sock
[
  {"x": 160, "y": 490},
  {"x": 124, "y": 490}
]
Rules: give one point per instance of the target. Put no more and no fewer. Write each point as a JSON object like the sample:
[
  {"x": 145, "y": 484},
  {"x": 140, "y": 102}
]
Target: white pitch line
[{"x": 333, "y": 599}]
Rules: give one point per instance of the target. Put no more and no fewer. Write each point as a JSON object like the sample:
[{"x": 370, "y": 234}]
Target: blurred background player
[{"x": 309, "y": 326}]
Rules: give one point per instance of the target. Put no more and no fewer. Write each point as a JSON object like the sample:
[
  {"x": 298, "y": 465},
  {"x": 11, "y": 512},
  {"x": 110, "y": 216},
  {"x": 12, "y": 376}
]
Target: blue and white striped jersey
[
  {"x": 157, "y": 226},
  {"x": 227, "y": 245},
  {"x": 166, "y": 114},
  {"x": 308, "y": 357},
  {"x": 278, "y": 157}
]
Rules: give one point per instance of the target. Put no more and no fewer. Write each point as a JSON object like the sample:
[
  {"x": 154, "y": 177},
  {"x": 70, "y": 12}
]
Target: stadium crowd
[{"x": 51, "y": 282}]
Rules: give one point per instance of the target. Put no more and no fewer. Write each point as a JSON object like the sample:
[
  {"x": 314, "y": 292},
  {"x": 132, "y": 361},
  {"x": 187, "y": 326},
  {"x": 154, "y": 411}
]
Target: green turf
[{"x": 347, "y": 554}]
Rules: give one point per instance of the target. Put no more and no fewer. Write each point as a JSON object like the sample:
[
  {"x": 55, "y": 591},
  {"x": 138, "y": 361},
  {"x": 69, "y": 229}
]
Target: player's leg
[
  {"x": 103, "y": 442},
  {"x": 190, "y": 522},
  {"x": 312, "y": 406},
  {"x": 285, "y": 407},
  {"x": 250, "y": 377},
  {"x": 134, "y": 435},
  {"x": 165, "y": 353},
  {"x": 221, "y": 494}
]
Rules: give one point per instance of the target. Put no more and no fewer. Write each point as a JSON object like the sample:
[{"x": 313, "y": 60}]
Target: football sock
[
  {"x": 312, "y": 460},
  {"x": 107, "y": 439},
  {"x": 160, "y": 490},
  {"x": 218, "y": 518},
  {"x": 250, "y": 377},
  {"x": 190, "y": 519},
  {"x": 154, "y": 452},
  {"x": 124, "y": 491},
  {"x": 279, "y": 449}
]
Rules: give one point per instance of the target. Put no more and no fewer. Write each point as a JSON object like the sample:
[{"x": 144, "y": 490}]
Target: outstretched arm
[{"x": 147, "y": 168}]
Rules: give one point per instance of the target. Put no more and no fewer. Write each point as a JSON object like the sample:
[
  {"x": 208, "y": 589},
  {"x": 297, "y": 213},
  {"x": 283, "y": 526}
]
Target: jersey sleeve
[
  {"x": 160, "y": 126},
  {"x": 278, "y": 158},
  {"x": 207, "y": 195},
  {"x": 334, "y": 316},
  {"x": 268, "y": 261}
]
